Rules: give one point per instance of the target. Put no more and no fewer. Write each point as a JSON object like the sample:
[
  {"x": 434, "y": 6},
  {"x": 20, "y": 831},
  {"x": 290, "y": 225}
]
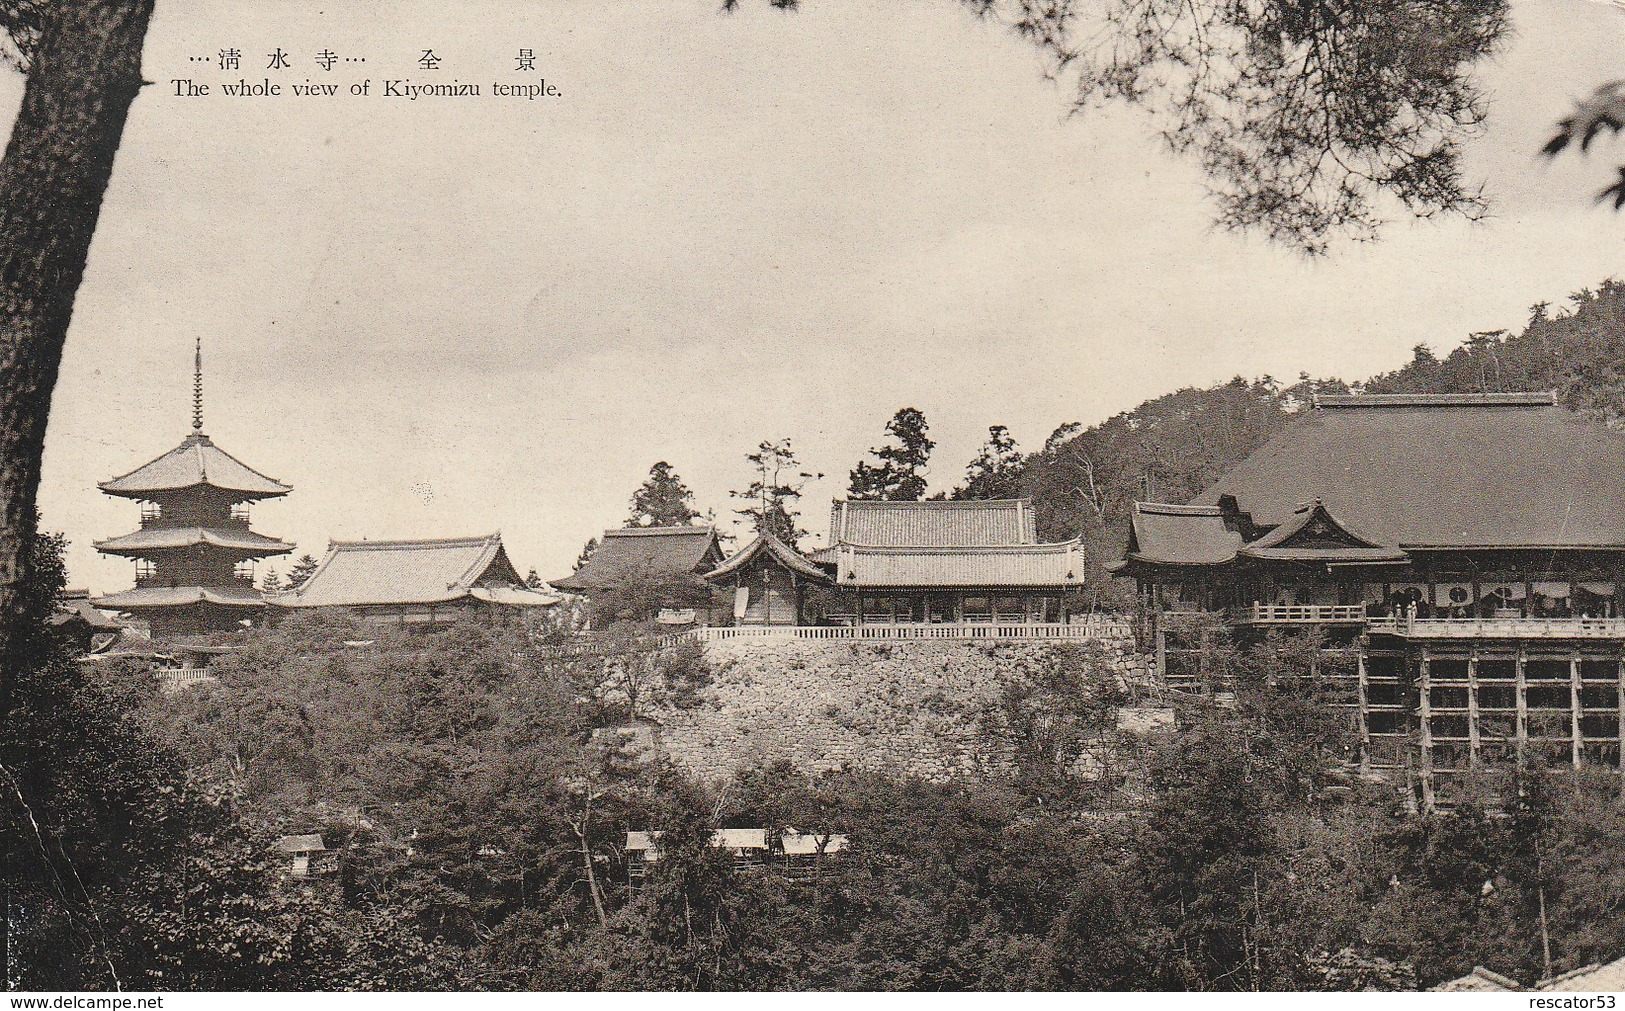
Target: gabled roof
[
  {"x": 196, "y": 461},
  {"x": 242, "y": 541},
  {"x": 181, "y": 596},
  {"x": 1313, "y": 534},
  {"x": 373, "y": 573},
  {"x": 767, "y": 544},
  {"x": 936, "y": 524},
  {"x": 1012, "y": 565},
  {"x": 645, "y": 553},
  {"x": 1180, "y": 535},
  {"x": 1413, "y": 471},
  {"x": 82, "y": 612}
]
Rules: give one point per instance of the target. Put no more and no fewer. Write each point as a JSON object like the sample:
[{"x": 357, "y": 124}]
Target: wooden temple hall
[
  {"x": 1463, "y": 554},
  {"x": 911, "y": 564}
]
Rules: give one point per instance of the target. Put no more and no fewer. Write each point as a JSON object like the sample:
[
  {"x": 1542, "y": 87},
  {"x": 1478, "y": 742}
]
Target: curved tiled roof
[
  {"x": 181, "y": 596},
  {"x": 1028, "y": 565},
  {"x": 196, "y": 461},
  {"x": 1181, "y": 535},
  {"x": 1413, "y": 471},
  {"x": 645, "y": 553},
  {"x": 415, "y": 572},
  {"x": 245, "y": 542},
  {"x": 789, "y": 557},
  {"x": 937, "y": 524}
]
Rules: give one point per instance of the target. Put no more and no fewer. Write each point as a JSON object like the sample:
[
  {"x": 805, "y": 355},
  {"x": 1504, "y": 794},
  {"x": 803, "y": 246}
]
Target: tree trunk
[{"x": 83, "y": 74}]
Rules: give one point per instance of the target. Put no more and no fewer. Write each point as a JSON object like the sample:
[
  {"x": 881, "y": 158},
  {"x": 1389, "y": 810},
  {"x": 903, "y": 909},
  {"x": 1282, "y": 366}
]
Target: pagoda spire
[{"x": 197, "y": 387}]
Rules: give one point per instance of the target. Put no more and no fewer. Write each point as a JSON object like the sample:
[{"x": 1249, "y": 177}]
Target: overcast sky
[{"x": 447, "y": 317}]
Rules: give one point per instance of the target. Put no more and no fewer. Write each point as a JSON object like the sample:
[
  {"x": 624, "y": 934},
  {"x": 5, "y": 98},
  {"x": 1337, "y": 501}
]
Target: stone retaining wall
[{"x": 932, "y": 709}]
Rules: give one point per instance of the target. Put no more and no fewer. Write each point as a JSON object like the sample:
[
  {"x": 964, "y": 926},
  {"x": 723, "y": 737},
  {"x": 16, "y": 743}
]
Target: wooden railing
[
  {"x": 1501, "y": 628},
  {"x": 1300, "y": 614},
  {"x": 1094, "y": 627}
]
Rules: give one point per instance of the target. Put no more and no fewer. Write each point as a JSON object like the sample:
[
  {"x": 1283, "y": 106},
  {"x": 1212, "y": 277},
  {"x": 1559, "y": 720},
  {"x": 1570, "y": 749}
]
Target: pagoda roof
[
  {"x": 150, "y": 539},
  {"x": 770, "y": 545},
  {"x": 645, "y": 553},
  {"x": 181, "y": 596},
  {"x": 414, "y": 572},
  {"x": 1419, "y": 471},
  {"x": 1003, "y": 565},
  {"x": 935, "y": 524},
  {"x": 196, "y": 461}
]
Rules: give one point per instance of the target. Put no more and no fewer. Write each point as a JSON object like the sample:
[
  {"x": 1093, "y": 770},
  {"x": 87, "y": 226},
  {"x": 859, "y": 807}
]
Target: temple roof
[
  {"x": 1313, "y": 534},
  {"x": 82, "y": 611},
  {"x": 936, "y": 524},
  {"x": 196, "y": 461},
  {"x": 645, "y": 553},
  {"x": 241, "y": 540},
  {"x": 181, "y": 596},
  {"x": 1463, "y": 470},
  {"x": 1012, "y": 565},
  {"x": 787, "y": 556},
  {"x": 372, "y": 573},
  {"x": 1180, "y": 535}
]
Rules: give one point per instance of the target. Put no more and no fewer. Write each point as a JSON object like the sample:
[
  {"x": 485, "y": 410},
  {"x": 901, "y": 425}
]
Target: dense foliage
[{"x": 478, "y": 794}]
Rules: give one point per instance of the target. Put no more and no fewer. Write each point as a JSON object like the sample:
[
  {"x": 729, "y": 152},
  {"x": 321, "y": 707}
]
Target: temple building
[
  {"x": 1467, "y": 551},
  {"x": 910, "y": 564},
  {"x": 417, "y": 583},
  {"x": 665, "y": 564},
  {"x": 768, "y": 583},
  {"x": 194, "y": 552}
]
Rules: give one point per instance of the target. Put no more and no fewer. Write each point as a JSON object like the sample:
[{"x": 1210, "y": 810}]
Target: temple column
[
  {"x": 1472, "y": 705},
  {"x": 1577, "y": 750},
  {"x": 1424, "y": 683},
  {"x": 1362, "y": 692},
  {"x": 1520, "y": 686}
]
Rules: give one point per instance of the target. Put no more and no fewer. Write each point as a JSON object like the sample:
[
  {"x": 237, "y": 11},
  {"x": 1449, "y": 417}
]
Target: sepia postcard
[{"x": 756, "y": 496}]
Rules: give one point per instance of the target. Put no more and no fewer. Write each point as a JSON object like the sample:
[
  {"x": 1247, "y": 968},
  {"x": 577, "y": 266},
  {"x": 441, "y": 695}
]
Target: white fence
[
  {"x": 1501, "y": 628},
  {"x": 1270, "y": 614},
  {"x": 1093, "y": 627}
]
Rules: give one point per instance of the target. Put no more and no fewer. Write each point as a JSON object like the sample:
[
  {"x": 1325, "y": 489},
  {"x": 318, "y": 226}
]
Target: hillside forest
[{"x": 479, "y": 790}]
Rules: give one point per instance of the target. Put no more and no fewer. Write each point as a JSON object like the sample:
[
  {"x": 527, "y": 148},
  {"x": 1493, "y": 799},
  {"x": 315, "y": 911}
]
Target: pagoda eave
[{"x": 146, "y": 597}]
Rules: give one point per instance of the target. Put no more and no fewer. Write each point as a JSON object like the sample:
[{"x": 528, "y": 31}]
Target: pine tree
[
  {"x": 271, "y": 582},
  {"x": 996, "y": 471},
  {"x": 587, "y": 551},
  {"x": 533, "y": 580},
  {"x": 899, "y": 476},
  {"x": 301, "y": 571},
  {"x": 663, "y": 501},
  {"x": 770, "y": 500}
]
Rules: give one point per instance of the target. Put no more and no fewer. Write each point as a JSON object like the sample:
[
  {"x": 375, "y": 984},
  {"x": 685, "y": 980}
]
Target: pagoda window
[
  {"x": 151, "y": 512},
  {"x": 244, "y": 571},
  {"x": 145, "y": 571},
  {"x": 239, "y": 513}
]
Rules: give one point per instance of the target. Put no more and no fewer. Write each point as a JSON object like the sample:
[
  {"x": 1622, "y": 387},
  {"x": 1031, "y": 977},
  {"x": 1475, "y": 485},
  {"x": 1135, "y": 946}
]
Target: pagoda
[{"x": 194, "y": 552}]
